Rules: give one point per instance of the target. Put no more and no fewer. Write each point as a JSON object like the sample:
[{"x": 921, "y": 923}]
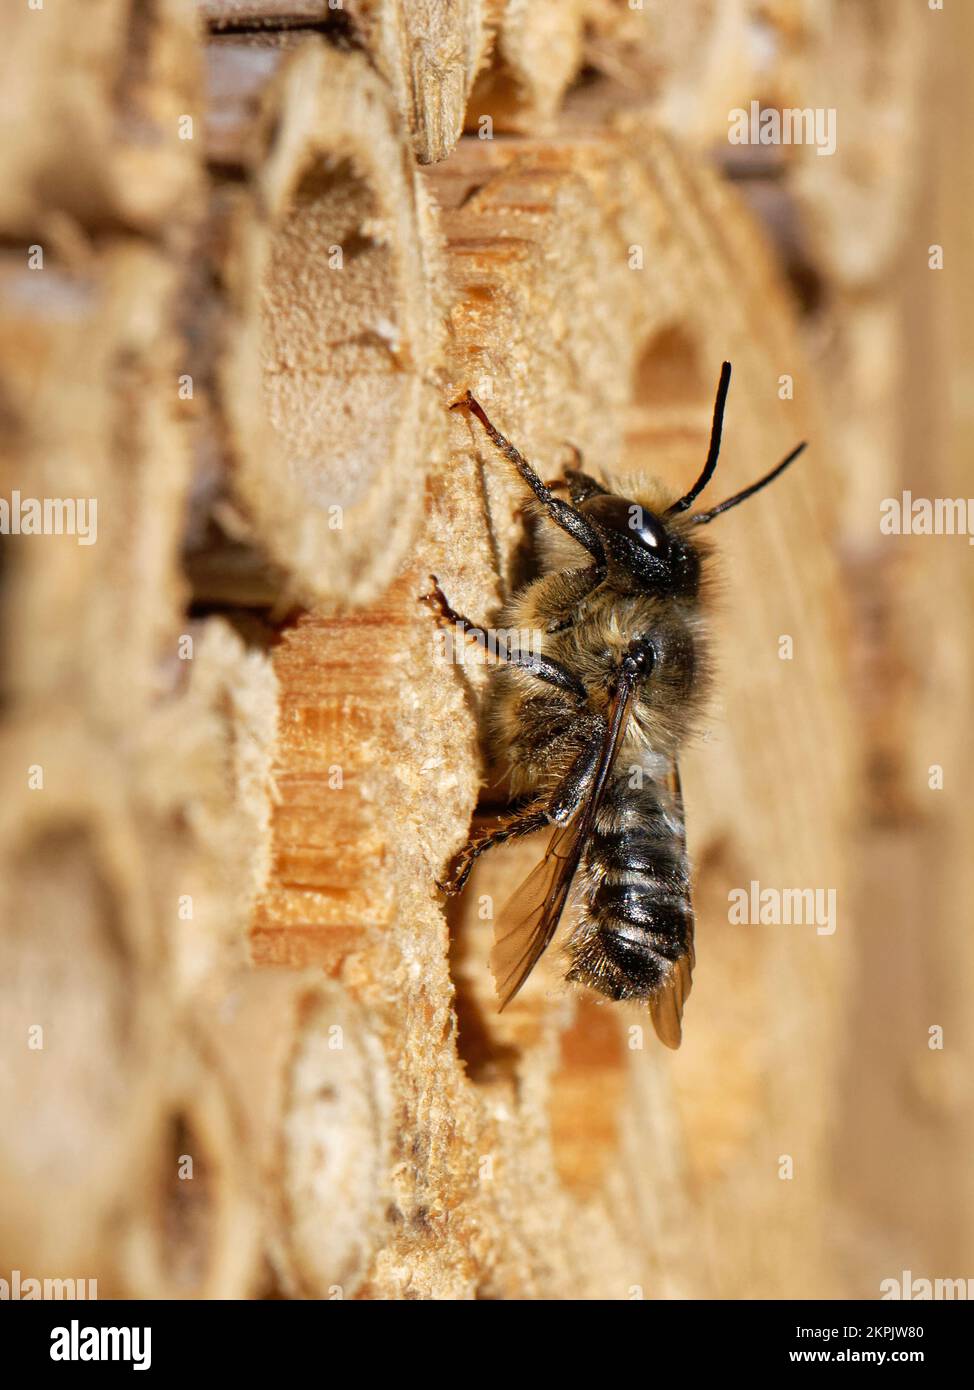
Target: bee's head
[
  {"x": 652, "y": 548},
  {"x": 644, "y": 549}
]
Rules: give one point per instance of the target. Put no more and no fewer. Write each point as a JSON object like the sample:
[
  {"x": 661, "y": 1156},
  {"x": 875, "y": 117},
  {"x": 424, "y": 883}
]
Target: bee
[{"x": 591, "y": 716}]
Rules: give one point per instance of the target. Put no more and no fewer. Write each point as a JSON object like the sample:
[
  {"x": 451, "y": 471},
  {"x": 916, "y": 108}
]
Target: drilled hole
[
  {"x": 668, "y": 421},
  {"x": 668, "y": 373},
  {"x": 333, "y": 378}
]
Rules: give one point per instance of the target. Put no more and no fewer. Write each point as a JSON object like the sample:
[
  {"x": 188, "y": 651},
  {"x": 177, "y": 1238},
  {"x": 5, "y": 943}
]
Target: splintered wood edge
[
  {"x": 537, "y": 51},
  {"x": 332, "y": 484},
  {"x": 428, "y": 52},
  {"x": 204, "y": 765}
]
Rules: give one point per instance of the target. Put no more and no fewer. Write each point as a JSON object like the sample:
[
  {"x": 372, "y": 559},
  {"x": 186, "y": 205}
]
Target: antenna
[
  {"x": 714, "y": 450},
  {"x": 702, "y": 518}
]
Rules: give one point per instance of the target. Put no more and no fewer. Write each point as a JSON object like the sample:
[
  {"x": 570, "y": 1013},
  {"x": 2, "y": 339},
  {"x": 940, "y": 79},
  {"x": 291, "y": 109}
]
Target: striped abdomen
[{"x": 637, "y": 920}]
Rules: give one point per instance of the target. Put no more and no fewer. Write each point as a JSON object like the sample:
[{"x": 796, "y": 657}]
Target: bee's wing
[
  {"x": 529, "y": 920},
  {"x": 666, "y": 1006}
]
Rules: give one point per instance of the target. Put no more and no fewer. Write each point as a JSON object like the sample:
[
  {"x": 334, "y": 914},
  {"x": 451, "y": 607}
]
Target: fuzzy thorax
[{"x": 538, "y": 730}]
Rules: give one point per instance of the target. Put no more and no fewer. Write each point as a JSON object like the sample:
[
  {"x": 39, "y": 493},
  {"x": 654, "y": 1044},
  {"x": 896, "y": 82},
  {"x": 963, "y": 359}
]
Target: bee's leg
[
  {"x": 561, "y": 513},
  {"x": 541, "y": 666},
  {"x": 581, "y": 486},
  {"x": 523, "y": 822},
  {"x": 567, "y": 796},
  {"x": 557, "y": 809}
]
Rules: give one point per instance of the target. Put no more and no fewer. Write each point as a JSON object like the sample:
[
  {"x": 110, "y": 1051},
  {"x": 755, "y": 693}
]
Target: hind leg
[
  {"x": 556, "y": 809},
  {"x": 510, "y": 827}
]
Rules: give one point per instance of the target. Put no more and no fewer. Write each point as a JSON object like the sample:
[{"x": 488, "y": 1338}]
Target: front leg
[
  {"x": 551, "y": 672},
  {"x": 581, "y": 486},
  {"x": 561, "y": 513}
]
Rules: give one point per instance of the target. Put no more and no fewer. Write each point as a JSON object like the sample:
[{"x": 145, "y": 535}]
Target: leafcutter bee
[{"x": 591, "y": 721}]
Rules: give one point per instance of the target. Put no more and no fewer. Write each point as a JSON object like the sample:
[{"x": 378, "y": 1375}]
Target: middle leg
[{"x": 552, "y": 672}]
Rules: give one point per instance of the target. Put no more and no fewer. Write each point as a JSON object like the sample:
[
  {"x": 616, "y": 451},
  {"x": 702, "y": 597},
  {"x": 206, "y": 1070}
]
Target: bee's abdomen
[{"x": 639, "y": 918}]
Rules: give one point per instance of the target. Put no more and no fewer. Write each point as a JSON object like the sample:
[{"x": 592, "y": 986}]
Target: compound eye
[{"x": 629, "y": 518}]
